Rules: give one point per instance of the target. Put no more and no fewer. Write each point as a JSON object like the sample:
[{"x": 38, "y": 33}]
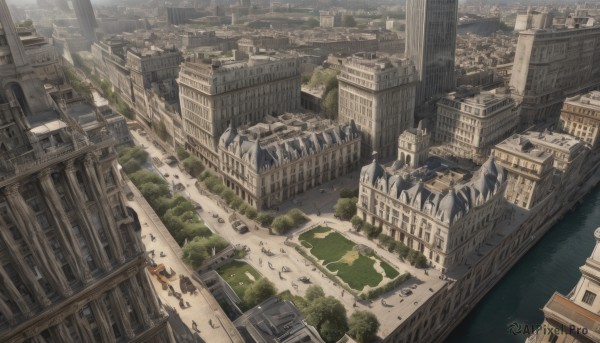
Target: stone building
[
  {"x": 470, "y": 123},
  {"x": 431, "y": 45},
  {"x": 568, "y": 153},
  {"x": 413, "y": 146},
  {"x": 530, "y": 171},
  {"x": 86, "y": 18},
  {"x": 580, "y": 117},
  {"x": 377, "y": 93},
  {"x": 110, "y": 62},
  {"x": 574, "y": 318},
  {"x": 551, "y": 65},
  {"x": 271, "y": 162},
  {"x": 254, "y": 44},
  {"x": 329, "y": 19},
  {"x": 215, "y": 95},
  {"x": 42, "y": 56},
  {"x": 442, "y": 212},
  {"x": 71, "y": 262},
  {"x": 153, "y": 71}
]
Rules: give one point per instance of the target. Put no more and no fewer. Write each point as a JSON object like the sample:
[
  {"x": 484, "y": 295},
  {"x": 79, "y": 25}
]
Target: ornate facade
[
  {"x": 436, "y": 210},
  {"x": 72, "y": 266},
  {"x": 271, "y": 162},
  {"x": 530, "y": 171},
  {"x": 378, "y": 95},
  {"x": 580, "y": 117},
  {"x": 213, "y": 96},
  {"x": 471, "y": 123}
]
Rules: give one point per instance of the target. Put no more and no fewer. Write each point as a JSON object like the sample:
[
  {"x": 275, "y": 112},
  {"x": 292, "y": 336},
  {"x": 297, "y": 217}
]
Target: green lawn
[
  {"x": 360, "y": 274},
  {"x": 235, "y": 272},
  {"x": 329, "y": 249},
  {"x": 390, "y": 272}
]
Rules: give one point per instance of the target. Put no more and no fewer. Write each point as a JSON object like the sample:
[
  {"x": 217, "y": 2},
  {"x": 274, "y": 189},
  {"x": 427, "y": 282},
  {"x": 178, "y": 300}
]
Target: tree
[
  {"x": 264, "y": 218},
  {"x": 260, "y": 291},
  {"x": 363, "y": 326},
  {"x": 237, "y": 203},
  {"x": 330, "y": 103},
  {"x": 296, "y": 216},
  {"x": 282, "y": 224},
  {"x": 251, "y": 213},
  {"x": 193, "y": 166},
  {"x": 328, "y": 316},
  {"x": 312, "y": 22},
  {"x": 345, "y": 208},
  {"x": 313, "y": 293},
  {"x": 182, "y": 154},
  {"x": 349, "y": 193},
  {"x": 356, "y": 221},
  {"x": 199, "y": 249},
  {"x": 348, "y": 21},
  {"x": 153, "y": 191}
]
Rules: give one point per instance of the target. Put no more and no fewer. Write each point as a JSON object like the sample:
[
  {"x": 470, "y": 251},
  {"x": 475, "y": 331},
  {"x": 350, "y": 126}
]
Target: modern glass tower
[{"x": 431, "y": 45}]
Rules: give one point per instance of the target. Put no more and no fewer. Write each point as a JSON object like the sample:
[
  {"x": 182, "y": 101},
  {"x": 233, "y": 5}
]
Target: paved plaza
[{"x": 318, "y": 205}]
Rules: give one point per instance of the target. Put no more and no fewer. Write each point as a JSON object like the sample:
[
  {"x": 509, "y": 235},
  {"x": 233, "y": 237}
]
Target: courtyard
[
  {"x": 353, "y": 264},
  {"x": 240, "y": 276}
]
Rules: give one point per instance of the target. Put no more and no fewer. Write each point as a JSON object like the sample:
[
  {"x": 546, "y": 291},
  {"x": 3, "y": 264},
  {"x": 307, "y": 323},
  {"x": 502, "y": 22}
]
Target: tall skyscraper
[
  {"x": 85, "y": 15},
  {"x": 72, "y": 266},
  {"x": 431, "y": 45}
]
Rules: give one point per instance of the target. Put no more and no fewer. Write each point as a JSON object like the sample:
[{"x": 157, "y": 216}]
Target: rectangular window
[{"x": 589, "y": 297}]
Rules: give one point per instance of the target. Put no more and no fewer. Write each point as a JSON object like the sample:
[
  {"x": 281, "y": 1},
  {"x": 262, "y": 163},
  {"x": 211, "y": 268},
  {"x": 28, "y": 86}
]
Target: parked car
[
  {"x": 242, "y": 228},
  {"x": 166, "y": 174},
  {"x": 406, "y": 292},
  {"x": 304, "y": 279}
]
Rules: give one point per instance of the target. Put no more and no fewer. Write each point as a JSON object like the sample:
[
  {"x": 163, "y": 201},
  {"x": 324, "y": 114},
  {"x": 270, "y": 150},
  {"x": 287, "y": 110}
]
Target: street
[{"x": 387, "y": 311}]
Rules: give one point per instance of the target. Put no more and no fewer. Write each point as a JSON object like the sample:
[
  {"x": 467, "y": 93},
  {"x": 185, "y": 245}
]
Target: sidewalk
[{"x": 203, "y": 307}]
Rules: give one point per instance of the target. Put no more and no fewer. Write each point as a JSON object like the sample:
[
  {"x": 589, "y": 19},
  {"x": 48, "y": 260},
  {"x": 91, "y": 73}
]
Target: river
[{"x": 550, "y": 266}]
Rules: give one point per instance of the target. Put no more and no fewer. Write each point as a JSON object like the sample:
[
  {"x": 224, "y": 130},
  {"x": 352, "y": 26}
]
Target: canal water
[{"x": 550, "y": 266}]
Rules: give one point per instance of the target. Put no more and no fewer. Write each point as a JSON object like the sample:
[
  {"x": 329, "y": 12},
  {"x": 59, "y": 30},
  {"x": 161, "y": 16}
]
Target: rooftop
[
  {"x": 520, "y": 145},
  {"x": 557, "y": 141},
  {"x": 590, "y": 100},
  {"x": 275, "y": 321},
  {"x": 280, "y": 140},
  {"x": 439, "y": 189}
]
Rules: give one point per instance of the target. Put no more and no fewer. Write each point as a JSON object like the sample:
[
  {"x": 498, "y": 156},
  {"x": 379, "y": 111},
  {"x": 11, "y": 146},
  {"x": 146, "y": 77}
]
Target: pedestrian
[
  {"x": 210, "y": 323},
  {"x": 343, "y": 291},
  {"x": 194, "y": 325}
]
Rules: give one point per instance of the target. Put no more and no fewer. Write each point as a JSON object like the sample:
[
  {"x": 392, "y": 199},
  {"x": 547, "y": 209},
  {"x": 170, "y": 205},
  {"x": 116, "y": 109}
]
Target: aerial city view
[{"x": 253, "y": 171}]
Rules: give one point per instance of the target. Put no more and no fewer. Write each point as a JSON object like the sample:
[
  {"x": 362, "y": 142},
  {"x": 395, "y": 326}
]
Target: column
[
  {"x": 25, "y": 270},
  {"x": 64, "y": 228},
  {"x": 6, "y": 311},
  {"x": 136, "y": 294},
  {"x": 148, "y": 290},
  {"x": 61, "y": 333},
  {"x": 13, "y": 293},
  {"x": 120, "y": 311},
  {"x": 83, "y": 328},
  {"x": 101, "y": 200},
  {"x": 12, "y": 37},
  {"x": 88, "y": 229},
  {"x": 102, "y": 320},
  {"x": 26, "y": 222}
]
